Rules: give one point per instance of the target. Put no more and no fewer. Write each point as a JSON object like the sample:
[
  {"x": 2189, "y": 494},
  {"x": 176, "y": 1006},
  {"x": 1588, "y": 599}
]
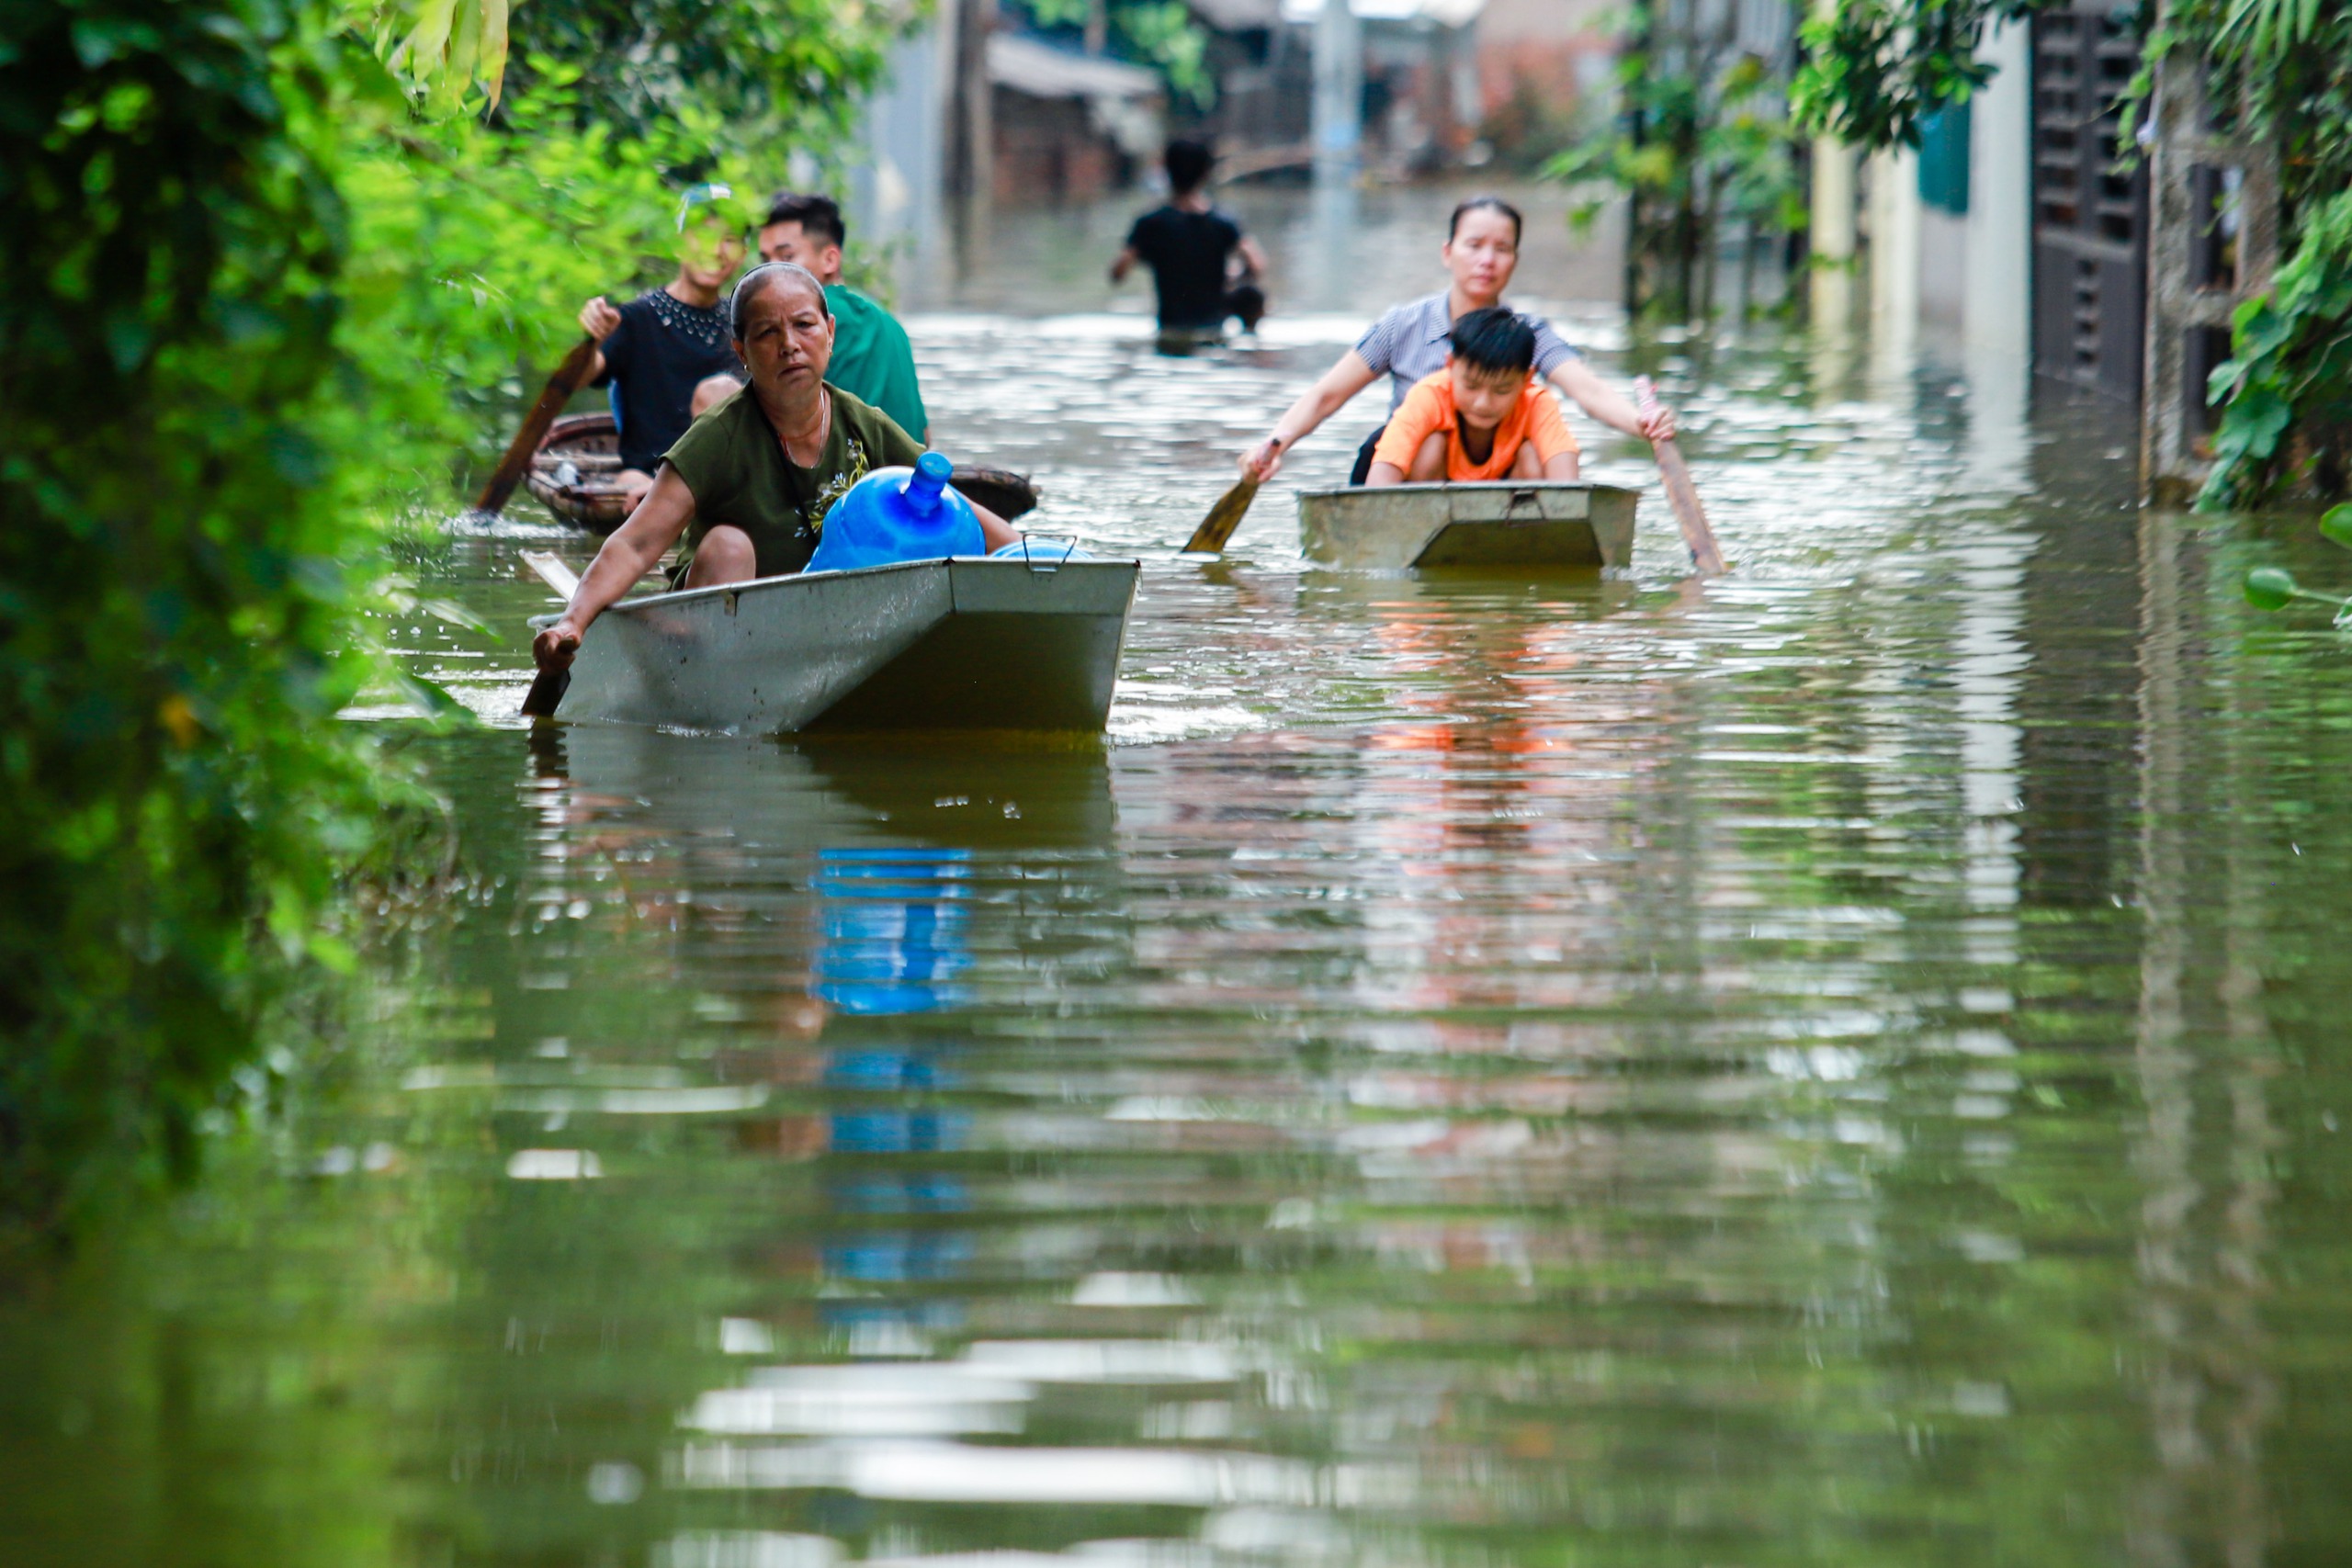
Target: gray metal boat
[
  {"x": 1524, "y": 523},
  {"x": 962, "y": 644}
]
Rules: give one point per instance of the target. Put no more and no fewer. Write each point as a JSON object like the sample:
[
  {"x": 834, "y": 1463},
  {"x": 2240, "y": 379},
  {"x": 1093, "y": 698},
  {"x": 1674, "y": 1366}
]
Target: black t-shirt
[
  {"x": 1186, "y": 252},
  {"x": 661, "y": 349}
]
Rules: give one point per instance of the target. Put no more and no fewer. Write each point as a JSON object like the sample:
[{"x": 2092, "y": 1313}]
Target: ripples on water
[{"x": 1838, "y": 1064}]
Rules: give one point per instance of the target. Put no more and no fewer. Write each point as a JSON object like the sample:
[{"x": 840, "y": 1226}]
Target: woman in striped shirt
[{"x": 1410, "y": 343}]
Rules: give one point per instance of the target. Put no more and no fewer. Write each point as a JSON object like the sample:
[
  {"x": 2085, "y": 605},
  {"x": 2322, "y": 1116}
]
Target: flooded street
[{"x": 1839, "y": 1064}]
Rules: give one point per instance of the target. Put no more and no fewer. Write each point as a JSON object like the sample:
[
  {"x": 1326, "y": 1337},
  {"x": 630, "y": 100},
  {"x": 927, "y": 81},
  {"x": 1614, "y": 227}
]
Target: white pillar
[
  {"x": 1832, "y": 234},
  {"x": 1997, "y": 314},
  {"x": 1895, "y": 259},
  {"x": 1339, "y": 92}
]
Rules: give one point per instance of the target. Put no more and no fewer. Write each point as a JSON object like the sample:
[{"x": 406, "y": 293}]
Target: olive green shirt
[{"x": 732, "y": 461}]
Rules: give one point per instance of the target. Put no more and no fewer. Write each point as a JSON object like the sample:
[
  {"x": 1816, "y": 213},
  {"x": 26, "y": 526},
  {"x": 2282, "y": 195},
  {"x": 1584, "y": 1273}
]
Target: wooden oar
[
  {"x": 561, "y": 386},
  {"x": 548, "y": 685},
  {"x": 1209, "y": 538},
  {"x": 1679, "y": 493}
]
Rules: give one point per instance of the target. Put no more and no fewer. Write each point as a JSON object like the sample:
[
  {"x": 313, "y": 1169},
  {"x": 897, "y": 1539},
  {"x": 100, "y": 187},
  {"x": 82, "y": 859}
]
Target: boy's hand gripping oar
[
  {"x": 1679, "y": 494},
  {"x": 548, "y": 685},
  {"x": 558, "y": 392},
  {"x": 1209, "y": 538}
]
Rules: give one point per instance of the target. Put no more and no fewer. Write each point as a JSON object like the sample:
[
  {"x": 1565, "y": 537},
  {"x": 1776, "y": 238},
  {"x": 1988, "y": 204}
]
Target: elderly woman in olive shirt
[{"x": 748, "y": 485}]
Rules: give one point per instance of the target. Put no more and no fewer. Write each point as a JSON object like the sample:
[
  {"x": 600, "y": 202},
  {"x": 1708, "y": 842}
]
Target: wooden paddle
[
  {"x": 561, "y": 386},
  {"x": 1680, "y": 494},
  {"x": 548, "y": 685},
  {"x": 1209, "y": 538}
]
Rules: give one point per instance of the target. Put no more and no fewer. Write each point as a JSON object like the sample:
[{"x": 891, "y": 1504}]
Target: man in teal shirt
[{"x": 872, "y": 359}]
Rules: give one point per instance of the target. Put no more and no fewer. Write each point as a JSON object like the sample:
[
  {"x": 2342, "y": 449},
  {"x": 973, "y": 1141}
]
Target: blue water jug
[{"x": 899, "y": 514}]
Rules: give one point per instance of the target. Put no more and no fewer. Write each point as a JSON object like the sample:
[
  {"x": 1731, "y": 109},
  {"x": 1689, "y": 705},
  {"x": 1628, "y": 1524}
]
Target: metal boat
[
  {"x": 968, "y": 644},
  {"x": 1517, "y": 523}
]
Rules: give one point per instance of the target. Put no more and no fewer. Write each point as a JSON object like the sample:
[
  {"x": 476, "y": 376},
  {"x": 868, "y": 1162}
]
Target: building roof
[
  {"x": 1237, "y": 15},
  {"x": 1445, "y": 13},
  {"x": 1041, "y": 70}
]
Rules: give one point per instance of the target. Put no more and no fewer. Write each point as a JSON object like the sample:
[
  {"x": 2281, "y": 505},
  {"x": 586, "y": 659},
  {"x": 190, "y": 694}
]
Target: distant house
[
  {"x": 1067, "y": 127},
  {"x": 1539, "y": 60},
  {"x": 1264, "y": 71},
  {"x": 1419, "y": 71}
]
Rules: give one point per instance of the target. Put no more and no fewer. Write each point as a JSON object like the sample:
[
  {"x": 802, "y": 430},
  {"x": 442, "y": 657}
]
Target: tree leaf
[
  {"x": 2336, "y": 525},
  {"x": 2270, "y": 588}
]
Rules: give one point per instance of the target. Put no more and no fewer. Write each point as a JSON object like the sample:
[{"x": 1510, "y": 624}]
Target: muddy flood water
[{"x": 1843, "y": 1064}]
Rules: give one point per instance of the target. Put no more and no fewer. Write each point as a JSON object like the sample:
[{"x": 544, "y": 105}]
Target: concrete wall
[{"x": 1964, "y": 276}]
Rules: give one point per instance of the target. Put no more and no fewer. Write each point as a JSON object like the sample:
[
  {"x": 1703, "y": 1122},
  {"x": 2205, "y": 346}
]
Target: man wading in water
[
  {"x": 655, "y": 349},
  {"x": 748, "y": 485},
  {"x": 1191, "y": 248},
  {"x": 1409, "y": 344}
]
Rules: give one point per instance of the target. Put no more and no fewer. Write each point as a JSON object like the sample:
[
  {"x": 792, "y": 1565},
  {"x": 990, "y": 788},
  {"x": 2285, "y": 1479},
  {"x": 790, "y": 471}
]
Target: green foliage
[
  {"x": 762, "y": 76},
  {"x": 2286, "y": 391},
  {"x": 175, "y": 569},
  {"x": 441, "y": 48},
  {"x": 251, "y": 296},
  {"x": 2270, "y": 588},
  {"x": 2291, "y": 362},
  {"x": 1701, "y": 139},
  {"x": 1161, "y": 34},
  {"x": 2277, "y": 72},
  {"x": 2336, "y": 525},
  {"x": 1875, "y": 68},
  {"x": 474, "y": 245}
]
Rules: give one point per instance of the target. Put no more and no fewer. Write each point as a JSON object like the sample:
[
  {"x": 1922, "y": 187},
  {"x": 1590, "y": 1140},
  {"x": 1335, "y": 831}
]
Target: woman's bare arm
[
  {"x": 1607, "y": 404},
  {"x": 632, "y": 551},
  {"x": 1314, "y": 405},
  {"x": 994, "y": 529}
]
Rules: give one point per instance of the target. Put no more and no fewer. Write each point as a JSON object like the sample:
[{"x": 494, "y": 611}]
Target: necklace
[
  {"x": 824, "y": 429},
  {"x": 698, "y": 322}
]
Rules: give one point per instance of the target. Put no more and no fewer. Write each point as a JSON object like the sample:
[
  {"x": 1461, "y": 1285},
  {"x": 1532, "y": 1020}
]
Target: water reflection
[{"x": 1835, "y": 1064}]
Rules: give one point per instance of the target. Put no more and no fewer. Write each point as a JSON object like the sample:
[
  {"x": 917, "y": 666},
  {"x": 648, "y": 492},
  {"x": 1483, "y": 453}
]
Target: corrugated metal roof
[
  {"x": 1237, "y": 15},
  {"x": 1445, "y": 13},
  {"x": 1042, "y": 70}
]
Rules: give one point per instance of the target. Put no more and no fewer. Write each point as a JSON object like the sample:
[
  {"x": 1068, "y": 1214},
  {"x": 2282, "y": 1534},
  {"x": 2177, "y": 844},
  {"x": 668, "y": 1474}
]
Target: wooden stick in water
[
  {"x": 1209, "y": 538},
  {"x": 548, "y": 685},
  {"x": 1680, "y": 493},
  {"x": 561, "y": 386}
]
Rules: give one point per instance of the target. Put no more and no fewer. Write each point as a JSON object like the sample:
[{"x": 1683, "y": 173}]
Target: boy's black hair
[
  {"x": 818, "y": 216},
  {"x": 1189, "y": 163},
  {"x": 1485, "y": 204},
  {"x": 1495, "y": 340}
]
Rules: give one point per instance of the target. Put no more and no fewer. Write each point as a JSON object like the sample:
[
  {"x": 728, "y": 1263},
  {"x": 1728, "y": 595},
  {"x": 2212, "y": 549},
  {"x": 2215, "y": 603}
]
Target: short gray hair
[{"x": 748, "y": 287}]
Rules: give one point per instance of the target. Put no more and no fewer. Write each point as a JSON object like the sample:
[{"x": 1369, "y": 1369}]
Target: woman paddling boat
[
  {"x": 748, "y": 485},
  {"x": 1410, "y": 343}
]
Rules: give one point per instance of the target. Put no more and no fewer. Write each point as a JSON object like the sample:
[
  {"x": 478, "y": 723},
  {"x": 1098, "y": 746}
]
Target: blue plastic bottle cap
[{"x": 925, "y": 484}]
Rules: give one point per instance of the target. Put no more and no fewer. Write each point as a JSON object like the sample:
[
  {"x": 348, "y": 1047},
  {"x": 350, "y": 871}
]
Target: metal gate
[{"x": 2091, "y": 223}]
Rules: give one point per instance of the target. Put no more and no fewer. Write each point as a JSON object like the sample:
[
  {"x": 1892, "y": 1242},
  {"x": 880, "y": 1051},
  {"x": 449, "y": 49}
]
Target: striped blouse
[{"x": 1408, "y": 343}]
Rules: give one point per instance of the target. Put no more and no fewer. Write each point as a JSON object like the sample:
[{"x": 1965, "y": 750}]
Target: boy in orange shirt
[{"x": 1482, "y": 417}]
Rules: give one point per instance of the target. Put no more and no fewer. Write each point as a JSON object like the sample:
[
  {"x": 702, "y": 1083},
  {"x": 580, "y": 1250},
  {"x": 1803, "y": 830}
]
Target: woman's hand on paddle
[
  {"x": 556, "y": 645},
  {"x": 1657, "y": 422},
  {"x": 1263, "y": 461},
  {"x": 598, "y": 319}
]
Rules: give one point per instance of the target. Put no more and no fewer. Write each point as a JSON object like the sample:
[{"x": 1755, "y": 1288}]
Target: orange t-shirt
[{"x": 1430, "y": 406}]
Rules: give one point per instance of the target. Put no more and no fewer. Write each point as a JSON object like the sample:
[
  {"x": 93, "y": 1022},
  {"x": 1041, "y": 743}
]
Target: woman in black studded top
[{"x": 653, "y": 350}]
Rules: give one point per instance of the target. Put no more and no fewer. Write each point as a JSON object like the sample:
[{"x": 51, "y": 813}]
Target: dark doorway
[{"x": 2091, "y": 223}]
